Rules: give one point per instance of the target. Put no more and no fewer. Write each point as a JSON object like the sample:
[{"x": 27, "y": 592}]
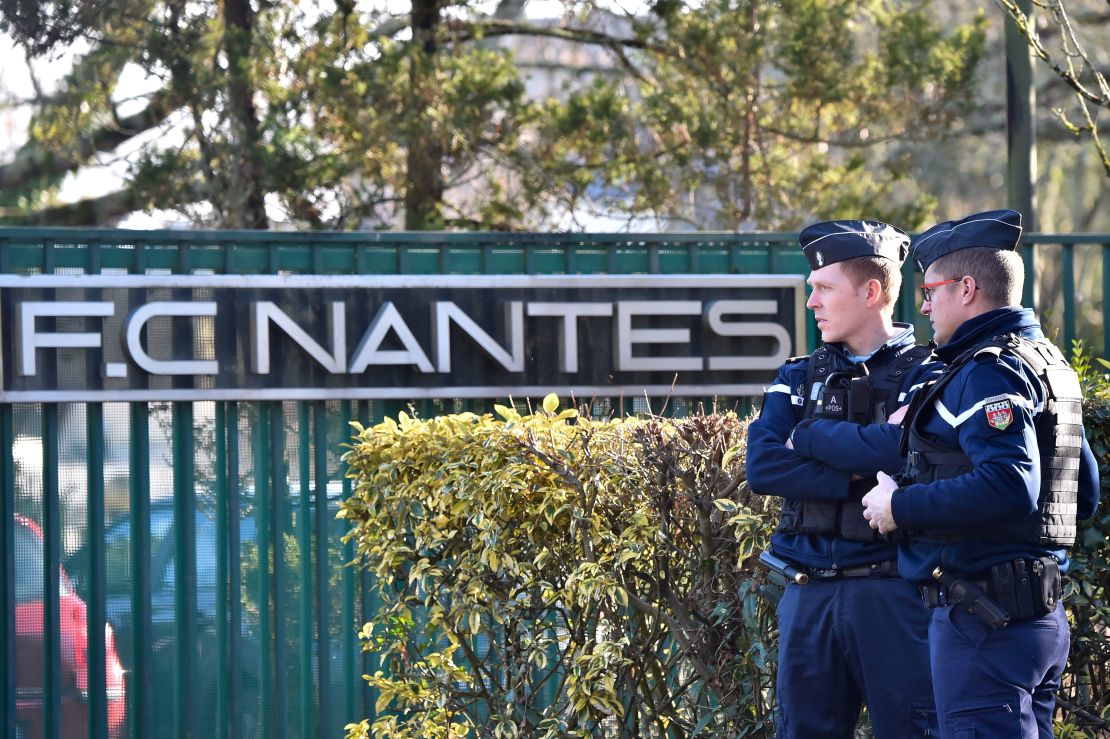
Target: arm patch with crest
[{"x": 1000, "y": 412}]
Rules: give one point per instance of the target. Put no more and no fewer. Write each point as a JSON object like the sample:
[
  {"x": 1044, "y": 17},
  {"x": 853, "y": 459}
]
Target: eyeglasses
[{"x": 927, "y": 289}]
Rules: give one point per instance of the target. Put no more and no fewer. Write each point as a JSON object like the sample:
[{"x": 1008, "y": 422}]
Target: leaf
[
  {"x": 475, "y": 621},
  {"x": 550, "y": 403}
]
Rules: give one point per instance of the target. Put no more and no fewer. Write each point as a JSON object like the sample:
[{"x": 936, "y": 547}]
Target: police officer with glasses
[
  {"x": 998, "y": 472},
  {"x": 851, "y": 632}
]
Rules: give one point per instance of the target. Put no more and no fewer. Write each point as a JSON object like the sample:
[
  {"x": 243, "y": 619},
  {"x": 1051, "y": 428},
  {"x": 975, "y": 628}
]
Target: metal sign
[{"x": 268, "y": 337}]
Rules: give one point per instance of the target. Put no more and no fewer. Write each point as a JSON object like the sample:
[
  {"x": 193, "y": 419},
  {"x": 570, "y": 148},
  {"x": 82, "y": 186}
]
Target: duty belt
[
  {"x": 886, "y": 568},
  {"x": 1023, "y": 588}
]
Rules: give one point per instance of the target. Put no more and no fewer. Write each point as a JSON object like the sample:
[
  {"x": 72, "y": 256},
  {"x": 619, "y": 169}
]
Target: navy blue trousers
[
  {"x": 997, "y": 684},
  {"x": 846, "y": 643}
]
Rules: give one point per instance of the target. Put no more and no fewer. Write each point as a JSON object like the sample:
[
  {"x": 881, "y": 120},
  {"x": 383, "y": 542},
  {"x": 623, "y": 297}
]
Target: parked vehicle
[
  {"x": 164, "y": 635},
  {"x": 73, "y": 623}
]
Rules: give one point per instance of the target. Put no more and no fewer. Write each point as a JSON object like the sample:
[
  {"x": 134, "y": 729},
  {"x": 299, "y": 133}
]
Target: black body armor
[
  {"x": 1059, "y": 429},
  {"x": 861, "y": 396}
]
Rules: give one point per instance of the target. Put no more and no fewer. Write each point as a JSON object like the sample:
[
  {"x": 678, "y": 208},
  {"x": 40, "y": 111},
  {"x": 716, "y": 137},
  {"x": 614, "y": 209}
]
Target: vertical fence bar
[
  {"x": 347, "y": 584},
  {"x": 350, "y": 687},
  {"x": 261, "y": 441},
  {"x": 370, "y": 662},
  {"x": 96, "y": 607},
  {"x": 52, "y": 560},
  {"x": 223, "y": 595},
  {"x": 1029, "y": 288},
  {"x": 907, "y": 299},
  {"x": 304, "y": 540},
  {"x": 140, "y": 687},
  {"x": 279, "y": 489},
  {"x": 235, "y": 703},
  {"x": 52, "y": 554},
  {"x": 140, "y": 696},
  {"x": 1069, "y": 297},
  {"x": 7, "y": 572},
  {"x": 323, "y": 596},
  {"x": 185, "y": 536},
  {"x": 96, "y": 613},
  {"x": 185, "y": 569}
]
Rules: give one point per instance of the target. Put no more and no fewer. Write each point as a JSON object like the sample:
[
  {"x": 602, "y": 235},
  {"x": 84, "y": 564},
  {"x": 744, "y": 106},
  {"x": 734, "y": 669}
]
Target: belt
[
  {"x": 886, "y": 568},
  {"x": 1023, "y": 588}
]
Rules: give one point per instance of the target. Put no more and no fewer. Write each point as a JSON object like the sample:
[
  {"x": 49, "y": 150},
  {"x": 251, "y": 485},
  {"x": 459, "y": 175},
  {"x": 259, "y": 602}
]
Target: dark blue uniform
[
  {"x": 844, "y": 639},
  {"x": 999, "y": 683}
]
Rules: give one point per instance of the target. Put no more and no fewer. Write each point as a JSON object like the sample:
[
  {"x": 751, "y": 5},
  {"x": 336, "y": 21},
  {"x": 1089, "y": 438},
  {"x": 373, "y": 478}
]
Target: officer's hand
[
  {"x": 876, "y": 504},
  {"x": 897, "y": 416}
]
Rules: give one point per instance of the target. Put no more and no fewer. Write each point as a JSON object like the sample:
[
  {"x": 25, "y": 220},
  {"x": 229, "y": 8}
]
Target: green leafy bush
[
  {"x": 552, "y": 575},
  {"x": 1085, "y": 696}
]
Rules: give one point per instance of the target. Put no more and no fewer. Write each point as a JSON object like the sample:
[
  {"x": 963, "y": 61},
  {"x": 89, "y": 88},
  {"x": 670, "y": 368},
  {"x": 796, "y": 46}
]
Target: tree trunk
[
  {"x": 246, "y": 204},
  {"x": 424, "y": 164}
]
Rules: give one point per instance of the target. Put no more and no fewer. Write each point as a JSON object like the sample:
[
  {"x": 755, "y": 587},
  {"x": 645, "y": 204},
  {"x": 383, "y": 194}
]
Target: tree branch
[
  {"x": 105, "y": 210},
  {"x": 1068, "y": 74},
  {"x": 469, "y": 30},
  {"x": 102, "y": 211},
  {"x": 33, "y": 161}
]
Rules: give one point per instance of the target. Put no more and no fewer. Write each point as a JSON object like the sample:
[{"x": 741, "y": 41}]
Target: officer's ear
[
  {"x": 874, "y": 293},
  {"x": 968, "y": 288}
]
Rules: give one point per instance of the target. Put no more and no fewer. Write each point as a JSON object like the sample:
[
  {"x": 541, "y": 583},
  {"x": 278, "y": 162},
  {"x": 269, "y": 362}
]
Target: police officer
[
  {"x": 856, "y": 632},
  {"x": 998, "y": 472}
]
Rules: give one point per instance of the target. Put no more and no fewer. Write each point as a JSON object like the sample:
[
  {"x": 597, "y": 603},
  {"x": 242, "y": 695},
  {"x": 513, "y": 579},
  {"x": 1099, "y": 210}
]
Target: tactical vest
[
  {"x": 1059, "y": 429},
  {"x": 861, "y": 396}
]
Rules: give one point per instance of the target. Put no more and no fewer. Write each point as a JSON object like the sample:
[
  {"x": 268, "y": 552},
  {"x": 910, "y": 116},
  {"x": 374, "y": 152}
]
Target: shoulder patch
[{"x": 1000, "y": 412}]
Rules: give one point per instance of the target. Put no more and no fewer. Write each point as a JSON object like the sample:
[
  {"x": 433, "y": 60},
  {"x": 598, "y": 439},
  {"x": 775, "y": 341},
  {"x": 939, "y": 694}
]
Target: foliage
[
  {"x": 721, "y": 114},
  {"x": 1085, "y": 696},
  {"x": 552, "y": 575},
  {"x": 774, "y": 113}
]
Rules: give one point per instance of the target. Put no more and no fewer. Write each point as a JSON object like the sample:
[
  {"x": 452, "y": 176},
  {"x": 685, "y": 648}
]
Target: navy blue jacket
[
  {"x": 1005, "y": 480},
  {"x": 822, "y": 470}
]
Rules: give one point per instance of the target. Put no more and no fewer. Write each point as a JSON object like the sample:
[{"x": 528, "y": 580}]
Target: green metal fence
[{"x": 203, "y": 534}]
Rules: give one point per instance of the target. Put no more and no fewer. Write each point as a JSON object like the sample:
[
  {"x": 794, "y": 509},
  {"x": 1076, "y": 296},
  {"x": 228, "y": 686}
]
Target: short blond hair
[{"x": 885, "y": 271}]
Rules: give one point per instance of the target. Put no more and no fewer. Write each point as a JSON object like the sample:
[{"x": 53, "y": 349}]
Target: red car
[{"x": 29, "y": 697}]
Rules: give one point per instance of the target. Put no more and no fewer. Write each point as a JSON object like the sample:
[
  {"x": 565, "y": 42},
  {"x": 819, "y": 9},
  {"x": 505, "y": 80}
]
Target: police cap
[
  {"x": 834, "y": 241},
  {"x": 992, "y": 229}
]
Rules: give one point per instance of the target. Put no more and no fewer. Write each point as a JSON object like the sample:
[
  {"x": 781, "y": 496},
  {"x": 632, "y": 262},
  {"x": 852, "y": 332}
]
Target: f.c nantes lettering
[{"x": 138, "y": 337}]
